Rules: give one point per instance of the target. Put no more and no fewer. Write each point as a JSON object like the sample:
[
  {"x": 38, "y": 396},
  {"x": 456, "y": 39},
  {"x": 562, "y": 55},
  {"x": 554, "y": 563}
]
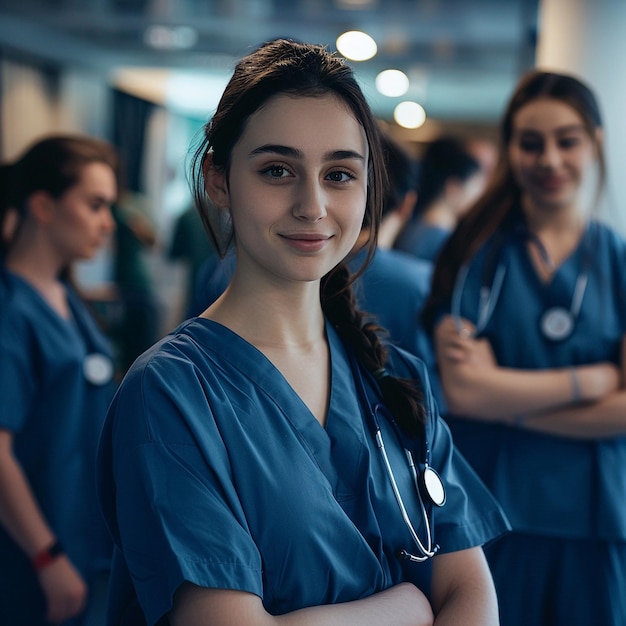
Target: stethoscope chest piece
[
  {"x": 434, "y": 486},
  {"x": 98, "y": 368},
  {"x": 557, "y": 323}
]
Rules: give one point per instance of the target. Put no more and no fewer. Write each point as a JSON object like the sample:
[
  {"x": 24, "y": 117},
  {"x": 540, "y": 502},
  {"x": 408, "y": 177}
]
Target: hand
[
  {"x": 65, "y": 590},
  {"x": 455, "y": 337},
  {"x": 598, "y": 380}
]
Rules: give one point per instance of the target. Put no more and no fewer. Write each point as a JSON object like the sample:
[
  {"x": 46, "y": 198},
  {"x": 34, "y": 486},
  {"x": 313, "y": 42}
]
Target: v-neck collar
[{"x": 341, "y": 442}]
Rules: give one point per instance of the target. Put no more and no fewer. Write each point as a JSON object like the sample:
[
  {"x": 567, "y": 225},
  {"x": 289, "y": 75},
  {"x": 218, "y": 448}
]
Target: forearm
[
  {"x": 503, "y": 394},
  {"x": 19, "y": 512},
  {"x": 402, "y": 605},
  {"x": 393, "y": 606},
  {"x": 463, "y": 591},
  {"x": 500, "y": 393},
  {"x": 603, "y": 419}
]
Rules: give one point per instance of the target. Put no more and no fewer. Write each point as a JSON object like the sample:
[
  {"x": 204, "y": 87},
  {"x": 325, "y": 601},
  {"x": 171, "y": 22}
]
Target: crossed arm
[
  {"x": 585, "y": 402},
  {"x": 462, "y": 595}
]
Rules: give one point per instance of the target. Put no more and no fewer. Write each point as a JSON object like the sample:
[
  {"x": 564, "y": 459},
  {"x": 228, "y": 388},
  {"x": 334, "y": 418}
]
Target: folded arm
[
  {"x": 462, "y": 590},
  {"x": 402, "y": 605},
  {"x": 583, "y": 401}
]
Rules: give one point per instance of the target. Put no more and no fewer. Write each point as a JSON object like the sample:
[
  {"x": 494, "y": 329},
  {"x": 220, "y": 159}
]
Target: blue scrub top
[
  {"x": 213, "y": 470},
  {"x": 548, "y": 484},
  {"x": 55, "y": 414},
  {"x": 422, "y": 240}
]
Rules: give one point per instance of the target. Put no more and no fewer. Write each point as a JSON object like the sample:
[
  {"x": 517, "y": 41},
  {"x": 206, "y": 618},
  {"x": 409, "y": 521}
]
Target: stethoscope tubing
[
  {"x": 489, "y": 295},
  {"x": 427, "y": 550}
]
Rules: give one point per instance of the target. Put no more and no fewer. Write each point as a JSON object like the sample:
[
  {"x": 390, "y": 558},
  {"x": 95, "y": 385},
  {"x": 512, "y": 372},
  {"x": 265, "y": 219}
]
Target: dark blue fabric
[
  {"x": 546, "y": 581},
  {"x": 422, "y": 240},
  {"x": 213, "y": 470}
]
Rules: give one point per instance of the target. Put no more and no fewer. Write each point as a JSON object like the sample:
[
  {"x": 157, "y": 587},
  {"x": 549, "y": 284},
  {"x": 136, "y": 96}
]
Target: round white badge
[
  {"x": 434, "y": 486},
  {"x": 98, "y": 368},
  {"x": 557, "y": 323}
]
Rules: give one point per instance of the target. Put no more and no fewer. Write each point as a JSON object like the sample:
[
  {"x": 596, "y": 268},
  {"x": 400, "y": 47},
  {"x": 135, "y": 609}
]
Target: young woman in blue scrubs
[
  {"x": 55, "y": 381},
  {"x": 239, "y": 472},
  {"x": 529, "y": 307}
]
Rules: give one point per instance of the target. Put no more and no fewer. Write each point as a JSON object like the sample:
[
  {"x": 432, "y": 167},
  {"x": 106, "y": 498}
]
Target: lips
[
  {"x": 551, "y": 183},
  {"x": 306, "y": 242},
  {"x": 306, "y": 236}
]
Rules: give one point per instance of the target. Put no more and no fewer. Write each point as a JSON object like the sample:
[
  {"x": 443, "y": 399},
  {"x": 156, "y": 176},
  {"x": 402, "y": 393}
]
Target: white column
[{"x": 587, "y": 38}]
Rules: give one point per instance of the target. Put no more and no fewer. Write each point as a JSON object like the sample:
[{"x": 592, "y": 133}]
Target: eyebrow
[
  {"x": 561, "y": 129},
  {"x": 287, "y": 151}
]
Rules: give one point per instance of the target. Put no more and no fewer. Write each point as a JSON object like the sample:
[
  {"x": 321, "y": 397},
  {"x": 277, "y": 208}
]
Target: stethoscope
[
  {"x": 556, "y": 323},
  {"x": 98, "y": 368},
  {"x": 428, "y": 484}
]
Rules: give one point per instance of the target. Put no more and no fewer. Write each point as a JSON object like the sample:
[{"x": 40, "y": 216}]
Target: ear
[
  {"x": 41, "y": 206},
  {"x": 215, "y": 184},
  {"x": 10, "y": 224}
]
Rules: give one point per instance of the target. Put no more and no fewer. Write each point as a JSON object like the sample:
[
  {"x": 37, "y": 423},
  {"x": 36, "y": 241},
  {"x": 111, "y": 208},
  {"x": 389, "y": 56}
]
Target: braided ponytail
[{"x": 403, "y": 397}]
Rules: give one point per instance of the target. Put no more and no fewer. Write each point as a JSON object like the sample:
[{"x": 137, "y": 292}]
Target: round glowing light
[
  {"x": 171, "y": 37},
  {"x": 392, "y": 83},
  {"x": 409, "y": 115},
  {"x": 356, "y": 46}
]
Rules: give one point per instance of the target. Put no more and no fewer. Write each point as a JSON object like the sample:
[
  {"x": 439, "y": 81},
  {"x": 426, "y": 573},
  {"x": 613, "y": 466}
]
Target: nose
[
  {"x": 309, "y": 202},
  {"x": 550, "y": 155}
]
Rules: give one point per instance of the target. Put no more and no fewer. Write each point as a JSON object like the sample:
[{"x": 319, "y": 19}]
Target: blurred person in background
[
  {"x": 450, "y": 179},
  {"x": 56, "y": 381},
  {"x": 529, "y": 309},
  {"x": 486, "y": 152}
]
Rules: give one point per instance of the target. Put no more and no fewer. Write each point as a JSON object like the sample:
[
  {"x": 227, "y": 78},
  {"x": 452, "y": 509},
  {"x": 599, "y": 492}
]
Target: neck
[
  {"x": 565, "y": 219},
  {"x": 36, "y": 263},
  {"x": 288, "y": 319},
  {"x": 557, "y": 233}
]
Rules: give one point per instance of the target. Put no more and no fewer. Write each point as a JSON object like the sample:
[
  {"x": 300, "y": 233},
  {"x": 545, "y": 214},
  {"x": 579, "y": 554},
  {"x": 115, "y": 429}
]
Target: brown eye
[{"x": 530, "y": 146}]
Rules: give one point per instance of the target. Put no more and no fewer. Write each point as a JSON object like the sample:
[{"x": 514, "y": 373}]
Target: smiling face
[
  {"x": 296, "y": 189},
  {"x": 81, "y": 220},
  {"x": 551, "y": 154}
]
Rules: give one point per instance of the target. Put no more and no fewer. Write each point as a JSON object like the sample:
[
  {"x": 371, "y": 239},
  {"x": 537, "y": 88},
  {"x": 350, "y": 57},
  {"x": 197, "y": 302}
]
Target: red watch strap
[{"x": 47, "y": 556}]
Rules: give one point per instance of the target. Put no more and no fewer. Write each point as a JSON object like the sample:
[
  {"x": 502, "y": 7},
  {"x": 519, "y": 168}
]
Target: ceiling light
[
  {"x": 356, "y": 46},
  {"x": 356, "y": 4},
  {"x": 409, "y": 114},
  {"x": 171, "y": 37},
  {"x": 392, "y": 83}
]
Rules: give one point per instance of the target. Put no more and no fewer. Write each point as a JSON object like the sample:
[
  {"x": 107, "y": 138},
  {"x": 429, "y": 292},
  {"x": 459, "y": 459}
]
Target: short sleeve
[{"x": 170, "y": 502}]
